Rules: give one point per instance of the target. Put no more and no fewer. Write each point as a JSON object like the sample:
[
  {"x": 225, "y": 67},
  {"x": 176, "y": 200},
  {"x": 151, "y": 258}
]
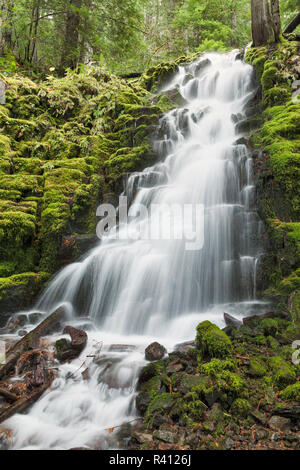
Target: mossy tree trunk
[{"x": 266, "y": 23}]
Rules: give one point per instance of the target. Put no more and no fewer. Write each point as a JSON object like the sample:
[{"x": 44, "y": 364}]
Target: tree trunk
[
  {"x": 71, "y": 51},
  {"x": 266, "y": 24},
  {"x": 275, "y": 14}
]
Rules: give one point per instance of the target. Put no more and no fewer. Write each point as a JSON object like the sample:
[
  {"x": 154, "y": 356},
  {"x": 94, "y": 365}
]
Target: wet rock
[
  {"x": 155, "y": 352},
  {"x": 142, "y": 402},
  {"x": 66, "y": 350},
  {"x": 15, "y": 322},
  {"x": 78, "y": 338},
  {"x": 203, "y": 64},
  {"x": 22, "y": 333},
  {"x": 187, "y": 78},
  {"x": 242, "y": 141},
  {"x": 240, "y": 55},
  {"x": 279, "y": 423},
  {"x": 35, "y": 318},
  {"x": 232, "y": 321},
  {"x": 236, "y": 118}
]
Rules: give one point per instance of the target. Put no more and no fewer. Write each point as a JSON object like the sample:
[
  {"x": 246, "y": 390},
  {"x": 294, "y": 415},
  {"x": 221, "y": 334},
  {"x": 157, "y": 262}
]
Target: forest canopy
[{"x": 123, "y": 36}]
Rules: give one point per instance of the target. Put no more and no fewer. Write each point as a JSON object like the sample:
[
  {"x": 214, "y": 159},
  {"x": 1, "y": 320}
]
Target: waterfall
[{"x": 139, "y": 289}]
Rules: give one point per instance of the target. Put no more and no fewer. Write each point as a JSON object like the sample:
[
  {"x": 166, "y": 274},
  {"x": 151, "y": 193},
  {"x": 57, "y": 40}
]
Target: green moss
[
  {"x": 194, "y": 409},
  {"x": 291, "y": 392},
  {"x": 61, "y": 346},
  {"x": 283, "y": 373},
  {"x": 278, "y": 184},
  {"x": 240, "y": 408},
  {"x": 161, "y": 404},
  {"x": 257, "y": 368},
  {"x": 269, "y": 326},
  {"x": 18, "y": 291},
  {"x": 212, "y": 342},
  {"x": 216, "y": 366}
]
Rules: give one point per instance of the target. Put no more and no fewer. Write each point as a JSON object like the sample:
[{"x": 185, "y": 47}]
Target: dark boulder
[
  {"x": 67, "y": 350},
  {"x": 155, "y": 352},
  {"x": 78, "y": 338}
]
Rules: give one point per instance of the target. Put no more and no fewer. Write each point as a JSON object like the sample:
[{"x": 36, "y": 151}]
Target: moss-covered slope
[
  {"x": 233, "y": 389},
  {"x": 64, "y": 144},
  {"x": 278, "y": 166}
]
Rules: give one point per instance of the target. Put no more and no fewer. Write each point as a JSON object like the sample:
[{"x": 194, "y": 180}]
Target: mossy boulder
[
  {"x": 212, "y": 342},
  {"x": 161, "y": 404},
  {"x": 283, "y": 372},
  {"x": 291, "y": 392},
  {"x": 17, "y": 292},
  {"x": 257, "y": 368},
  {"x": 269, "y": 326}
]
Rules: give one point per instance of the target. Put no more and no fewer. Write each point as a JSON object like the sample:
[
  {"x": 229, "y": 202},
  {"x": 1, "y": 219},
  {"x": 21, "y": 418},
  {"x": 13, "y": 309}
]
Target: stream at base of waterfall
[{"x": 133, "y": 292}]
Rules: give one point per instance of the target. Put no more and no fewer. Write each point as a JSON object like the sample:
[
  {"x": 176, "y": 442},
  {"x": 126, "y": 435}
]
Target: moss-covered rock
[
  {"x": 212, "y": 342},
  {"x": 257, "y": 368},
  {"x": 291, "y": 392},
  {"x": 283, "y": 372},
  {"x": 64, "y": 143},
  {"x": 278, "y": 167},
  {"x": 240, "y": 408}
]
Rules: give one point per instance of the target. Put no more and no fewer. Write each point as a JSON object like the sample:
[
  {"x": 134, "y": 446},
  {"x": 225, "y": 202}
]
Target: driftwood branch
[{"x": 292, "y": 25}]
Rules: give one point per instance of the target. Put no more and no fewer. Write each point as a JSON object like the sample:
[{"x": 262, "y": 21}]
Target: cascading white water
[{"x": 139, "y": 290}]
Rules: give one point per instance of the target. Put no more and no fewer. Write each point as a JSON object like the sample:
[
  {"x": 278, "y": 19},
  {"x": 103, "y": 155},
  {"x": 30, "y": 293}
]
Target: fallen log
[
  {"x": 292, "y": 25},
  {"x": 23, "y": 403},
  {"x": 10, "y": 397},
  {"x": 31, "y": 340}
]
